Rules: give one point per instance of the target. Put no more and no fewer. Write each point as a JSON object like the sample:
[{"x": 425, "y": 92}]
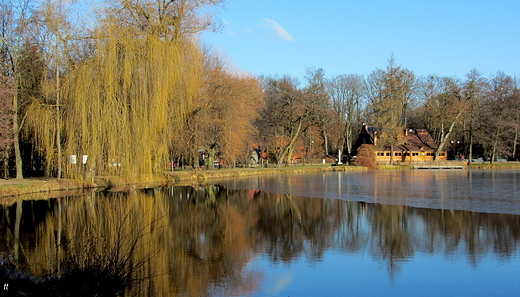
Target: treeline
[
  {"x": 136, "y": 91},
  {"x": 475, "y": 117},
  {"x": 132, "y": 89}
]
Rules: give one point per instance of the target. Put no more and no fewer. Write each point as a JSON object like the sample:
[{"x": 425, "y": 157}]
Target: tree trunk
[
  {"x": 441, "y": 142},
  {"x": 282, "y": 157},
  {"x": 290, "y": 151},
  {"x": 470, "y": 156},
  {"x": 470, "y": 136},
  {"x": 6, "y": 164},
  {"x": 210, "y": 160},
  {"x": 16, "y": 132},
  {"x": 326, "y": 143},
  {"x": 515, "y": 143},
  {"x": 495, "y": 144},
  {"x": 58, "y": 135},
  {"x": 285, "y": 153},
  {"x": 325, "y": 140},
  {"x": 391, "y": 154},
  {"x": 347, "y": 140},
  {"x": 445, "y": 137}
]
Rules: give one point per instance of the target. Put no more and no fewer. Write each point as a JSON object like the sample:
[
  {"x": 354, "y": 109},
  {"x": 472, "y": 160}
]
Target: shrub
[{"x": 366, "y": 156}]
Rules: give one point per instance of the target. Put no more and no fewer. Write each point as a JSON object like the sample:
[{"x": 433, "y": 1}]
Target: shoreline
[{"x": 13, "y": 189}]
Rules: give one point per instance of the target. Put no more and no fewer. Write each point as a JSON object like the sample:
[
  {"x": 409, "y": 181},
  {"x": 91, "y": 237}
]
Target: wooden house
[{"x": 414, "y": 146}]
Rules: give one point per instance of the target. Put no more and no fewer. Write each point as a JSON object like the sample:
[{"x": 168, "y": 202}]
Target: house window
[
  {"x": 388, "y": 154},
  {"x": 380, "y": 154},
  {"x": 415, "y": 154},
  {"x": 441, "y": 154},
  {"x": 407, "y": 154},
  {"x": 398, "y": 154}
]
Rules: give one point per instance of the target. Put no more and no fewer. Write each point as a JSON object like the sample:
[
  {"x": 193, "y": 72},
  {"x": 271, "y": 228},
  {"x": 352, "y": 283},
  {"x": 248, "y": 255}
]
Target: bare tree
[
  {"x": 444, "y": 106},
  {"x": 286, "y": 117},
  {"x": 501, "y": 111},
  {"x": 56, "y": 36},
  {"x": 6, "y": 125},
  {"x": 230, "y": 104},
  {"x": 318, "y": 97},
  {"x": 16, "y": 17},
  {"x": 516, "y": 128},
  {"x": 169, "y": 19},
  {"x": 346, "y": 100},
  {"x": 473, "y": 94},
  {"x": 427, "y": 113},
  {"x": 390, "y": 93}
]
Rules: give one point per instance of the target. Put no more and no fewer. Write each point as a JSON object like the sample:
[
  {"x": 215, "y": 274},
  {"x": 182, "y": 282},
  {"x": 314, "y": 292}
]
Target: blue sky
[{"x": 445, "y": 38}]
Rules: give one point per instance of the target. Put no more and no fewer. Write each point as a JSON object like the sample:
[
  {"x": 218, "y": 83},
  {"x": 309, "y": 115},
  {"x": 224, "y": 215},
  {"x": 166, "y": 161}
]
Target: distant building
[{"x": 416, "y": 146}]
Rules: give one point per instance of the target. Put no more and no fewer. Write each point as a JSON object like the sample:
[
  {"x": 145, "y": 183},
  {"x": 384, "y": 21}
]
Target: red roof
[
  {"x": 418, "y": 140},
  {"x": 414, "y": 140}
]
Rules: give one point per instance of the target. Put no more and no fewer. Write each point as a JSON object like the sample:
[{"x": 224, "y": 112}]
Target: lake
[{"x": 374, "y": 233}]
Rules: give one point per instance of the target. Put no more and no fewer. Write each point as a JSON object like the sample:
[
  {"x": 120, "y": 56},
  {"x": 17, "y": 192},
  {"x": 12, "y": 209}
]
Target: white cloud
[
  {"x": 278, "y": 31},
  {"x": 228, "y": 29},
  {"x": 282, "y": 283}
]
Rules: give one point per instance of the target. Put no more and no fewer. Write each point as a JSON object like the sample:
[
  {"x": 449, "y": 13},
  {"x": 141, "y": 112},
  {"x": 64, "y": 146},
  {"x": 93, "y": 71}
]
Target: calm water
[
  {"x": 489, "y": 191},
  {"x": 380, "y": 233}
]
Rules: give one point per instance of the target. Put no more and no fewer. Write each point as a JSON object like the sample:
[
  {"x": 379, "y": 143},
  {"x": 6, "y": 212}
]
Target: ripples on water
[{"x": 239, "y": 240}]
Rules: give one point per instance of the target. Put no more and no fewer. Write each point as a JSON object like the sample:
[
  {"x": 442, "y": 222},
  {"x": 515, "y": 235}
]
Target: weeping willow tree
[{"x": 123, "y": 106}]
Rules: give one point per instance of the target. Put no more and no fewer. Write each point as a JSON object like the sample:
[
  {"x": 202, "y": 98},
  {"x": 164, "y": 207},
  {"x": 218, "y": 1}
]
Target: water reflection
[
  {"x": 200, "y": 241},
  {"x": 495, "y": 191}
]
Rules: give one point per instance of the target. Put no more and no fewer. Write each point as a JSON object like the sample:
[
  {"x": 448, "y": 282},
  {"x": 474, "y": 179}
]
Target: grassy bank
[
  {"x": 13, "y": 189},
  {"x": 205, "y": 175},
  {"x": 10, "y": 190},
  {"x": 29, "y": 186},
  {"x": 499, "y": 165}
]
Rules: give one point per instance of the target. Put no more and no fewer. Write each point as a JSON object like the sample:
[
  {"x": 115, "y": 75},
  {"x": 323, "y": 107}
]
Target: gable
[
  {"x": 413, "y": 140},
  {"x": 418, "y": 140}
]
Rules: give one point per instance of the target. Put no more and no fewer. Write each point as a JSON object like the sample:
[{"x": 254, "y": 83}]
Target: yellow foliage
[
  {"x": 123, "y": 106},
  {"x": 232, "y": 102}
]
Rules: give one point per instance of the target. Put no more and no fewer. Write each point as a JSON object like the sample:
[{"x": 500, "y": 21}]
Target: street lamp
[{"x": 455, "y": 145}]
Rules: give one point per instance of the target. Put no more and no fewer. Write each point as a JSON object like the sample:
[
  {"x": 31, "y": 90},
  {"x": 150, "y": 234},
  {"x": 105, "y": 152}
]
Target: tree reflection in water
[{"x": 197, "y": 241}]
